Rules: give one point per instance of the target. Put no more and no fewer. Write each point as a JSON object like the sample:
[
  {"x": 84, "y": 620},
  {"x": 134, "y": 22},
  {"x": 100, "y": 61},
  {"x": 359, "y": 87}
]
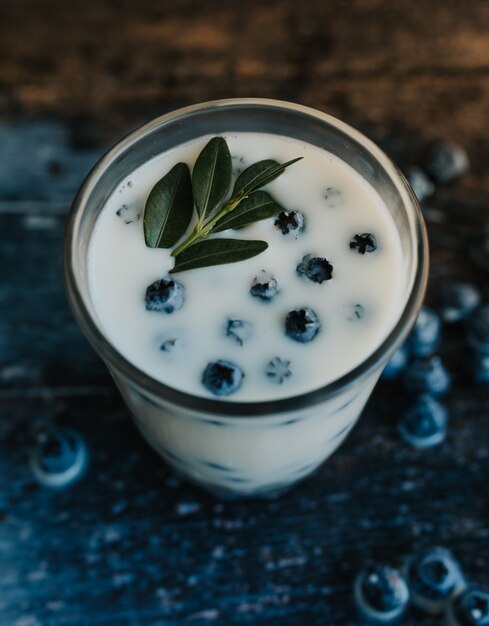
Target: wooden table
[{"x": 131, "y": 545}]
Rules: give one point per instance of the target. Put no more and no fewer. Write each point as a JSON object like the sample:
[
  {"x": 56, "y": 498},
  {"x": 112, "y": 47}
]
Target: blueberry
[
  {"x": 59, "y": 458},
  {"x": 422, "y": 186},
  {"x": 427, "y": 376},
  {"x": 477, "y": 330},
  {"x": 424, "y": 423},
  {"x": 290, "y": 222},
  {"x": 169, "y": 345},
  {"x": 278, "y": 370},
  {"x": 165, "y": 295},
  {"x": 381, "y": 593},
  {"x": 456, "y": 301},
  {"x": 366, "y": 242},
  {"x": 302, "y": 325},
  {"x": 332, "y": 196},
  {"x": 397, "y": 364},
  {"x": 222, "y": 377},
  {"x": 470, "y": 607},
  {"x": 264, "y": 286},
  {"x": 446, "y": 162},
  {"x": 316, "y": 268},
  {"x": 128, "y": 214},
  {"x": 479, "y": 251},
  {"x": 239, "y": 330},
  {"x": 357, "y": 312},
  {"x": 426, "y": 334},
  {"x": 478, "y": 366},
  {"x": 433, "y": 576}
]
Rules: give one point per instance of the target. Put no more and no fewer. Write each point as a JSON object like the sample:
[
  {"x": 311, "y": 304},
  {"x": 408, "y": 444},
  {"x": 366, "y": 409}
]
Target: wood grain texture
[
  {"x": 374, "y": 60},
  {"x": 131, "y": 545}
]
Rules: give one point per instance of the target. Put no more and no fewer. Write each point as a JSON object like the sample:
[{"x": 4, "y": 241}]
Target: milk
[{"x": 336, "y": 203}]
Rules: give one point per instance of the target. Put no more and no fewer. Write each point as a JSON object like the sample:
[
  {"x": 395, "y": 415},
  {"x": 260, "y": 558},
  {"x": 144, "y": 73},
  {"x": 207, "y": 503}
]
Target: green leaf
[
  {"x": 260, "y": 174},
  {"x": 253, "y": 208},
  {"x": 169, "y": 208},
  {"x": 217, "y": 252},
  {"x": 211, "y": 176}
]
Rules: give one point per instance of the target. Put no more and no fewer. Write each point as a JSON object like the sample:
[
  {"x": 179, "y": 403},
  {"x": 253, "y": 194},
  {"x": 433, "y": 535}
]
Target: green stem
[
  {"x": 203, "y": 229},
  {"x": 230, "y": 206},
  {"x": 193, "y": 237}
]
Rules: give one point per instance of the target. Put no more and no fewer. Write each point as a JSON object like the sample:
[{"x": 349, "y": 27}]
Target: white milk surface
[{"x": 337, "y": 204}]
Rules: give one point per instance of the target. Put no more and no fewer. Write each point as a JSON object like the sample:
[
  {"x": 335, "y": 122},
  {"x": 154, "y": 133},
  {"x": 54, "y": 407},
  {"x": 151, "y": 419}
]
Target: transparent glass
[{"x": 245, "y": 449}]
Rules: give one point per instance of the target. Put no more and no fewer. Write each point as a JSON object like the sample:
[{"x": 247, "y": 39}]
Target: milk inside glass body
[{"x": 263, "y": 439}]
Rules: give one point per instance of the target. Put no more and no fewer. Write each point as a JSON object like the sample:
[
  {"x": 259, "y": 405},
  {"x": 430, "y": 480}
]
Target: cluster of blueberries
[
  {"x": 443, "y": 164},
  {"x": 423, "y": 373},
  {"x": 431, "y": 580},
  {"x": 223, "y": 377}
]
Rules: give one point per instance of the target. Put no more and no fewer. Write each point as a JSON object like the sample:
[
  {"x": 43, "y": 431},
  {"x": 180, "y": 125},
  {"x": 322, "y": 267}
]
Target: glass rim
[{"x": 229, "y": 408}]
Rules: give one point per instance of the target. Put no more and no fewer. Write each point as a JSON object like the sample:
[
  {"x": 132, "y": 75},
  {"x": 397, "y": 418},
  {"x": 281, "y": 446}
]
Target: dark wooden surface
[{"x": 130, "y": 545}]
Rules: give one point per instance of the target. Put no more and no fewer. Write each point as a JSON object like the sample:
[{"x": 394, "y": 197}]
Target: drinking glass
[{"x": 246, "y": 449}]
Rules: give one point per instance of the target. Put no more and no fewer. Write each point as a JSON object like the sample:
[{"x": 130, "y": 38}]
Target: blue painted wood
[{"x": 131, "y": 544}]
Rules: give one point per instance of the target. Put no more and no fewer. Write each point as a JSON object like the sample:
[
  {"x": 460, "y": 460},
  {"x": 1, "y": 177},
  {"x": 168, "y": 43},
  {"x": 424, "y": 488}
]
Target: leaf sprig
[{"x": 171, "y": 202}]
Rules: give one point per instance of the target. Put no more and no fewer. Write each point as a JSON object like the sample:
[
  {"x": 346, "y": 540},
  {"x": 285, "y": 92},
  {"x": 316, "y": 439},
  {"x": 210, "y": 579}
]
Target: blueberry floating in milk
[
  {"x": 222, "y": 377},
  {"x": 264, "y": 286},
  {"x": 169, "y": 345},
  {"x": 356, "y": 312},
  {"x": 365, "y": 242},
  {"x": 317, "y": 269},
  {"x": 290, "y": 222},
  {"x": 332, "y": 197},
  {"x": 165, "y": 296},
  {"x": 302, "y": 325},
  {"x": 278, "y": 370},
  {"x": 128, "y": 214},
  {"x": 239, "y": 331}
]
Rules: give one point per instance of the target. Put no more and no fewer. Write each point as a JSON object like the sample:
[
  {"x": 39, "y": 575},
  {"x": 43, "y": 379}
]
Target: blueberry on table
[
  {"x": 222, "y": 377},
  {"x": 433, "y": 576},
  {"x": 397, "y": 364},
  {"x": 264, "y": 286},
  {"x": 427, "y": 376},
  {"x": 381, "y": 593},
  {"x": 239, "y": 330},
  {"x": 477, "y": 330},
  {"x": 470, "y": 607},
  {"x": 59, "y": 457},
  {"x": 315, "y": 268},
  {"x": 366, "y": 242},
  {"x": 456, "y": 301},
  {"x": 446, "y": 162},
  {"x": 424, "y": 423},
  {"x": 290, "y": 222},
  {"x": 422, "y": 186},
  {"x": 478, "y": 366},
  {"x": 278, "y": 370},
  {"x": 165, "y": 296},
  {"x": 302, "y": 325},
  {"x": 426, "y": 334}
]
